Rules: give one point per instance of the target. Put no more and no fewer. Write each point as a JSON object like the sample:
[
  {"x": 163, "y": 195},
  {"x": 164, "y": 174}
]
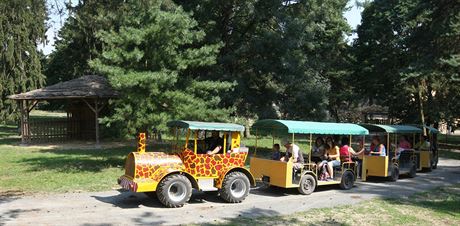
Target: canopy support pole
[{"x": 311, "y": 143}]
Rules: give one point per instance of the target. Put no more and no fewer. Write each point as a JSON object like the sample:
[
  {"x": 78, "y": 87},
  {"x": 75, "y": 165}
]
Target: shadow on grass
[
  {"x": 444, "y": 200},
  {"x": 450, "y": 154},
  {"x": 73, "y": 160}
]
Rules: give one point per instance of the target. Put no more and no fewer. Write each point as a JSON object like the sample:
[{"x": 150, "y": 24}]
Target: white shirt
[{"x": 294, "y": 150}]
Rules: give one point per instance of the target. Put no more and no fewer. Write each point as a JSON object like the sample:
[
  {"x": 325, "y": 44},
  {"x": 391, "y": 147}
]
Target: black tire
[
  {"x": 394, "y": 173},
  {"x": 151, "y": 194},
  {"x": 174, "y": 190},
  {"x": 413, "y": 170},
  {"x": 235, "y": 187},
  {"x": 435, "y": 163},
  {"x": 307, "y": 184},
  {"x": 348, "y": 180}
]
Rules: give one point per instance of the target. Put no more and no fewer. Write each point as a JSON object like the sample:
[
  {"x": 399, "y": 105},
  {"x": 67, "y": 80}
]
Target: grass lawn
[{"x": 437, "y": 207}]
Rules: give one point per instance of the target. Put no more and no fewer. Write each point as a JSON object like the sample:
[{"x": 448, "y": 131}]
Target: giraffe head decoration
[{"x": 141, "y": 143}]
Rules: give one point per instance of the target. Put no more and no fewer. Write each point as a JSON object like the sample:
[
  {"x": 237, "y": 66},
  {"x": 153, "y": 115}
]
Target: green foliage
[
  {"x": 407, "y": 58},
  {"x": 22, "y": 28},
  {"x": 150, "y": 58},
  {"x": 281, "y": 54},
  {"x": 77, "y": 43}
]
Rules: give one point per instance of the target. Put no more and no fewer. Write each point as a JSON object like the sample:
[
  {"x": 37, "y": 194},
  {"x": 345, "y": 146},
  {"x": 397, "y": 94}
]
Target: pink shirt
[{"x": 404, "y": 145}]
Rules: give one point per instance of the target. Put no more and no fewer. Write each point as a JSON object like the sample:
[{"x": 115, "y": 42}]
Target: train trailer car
[
  {"x": 305, "y": 176},
  {"x": 396, "y": 158},
  {"x": 202, "y": 162}
]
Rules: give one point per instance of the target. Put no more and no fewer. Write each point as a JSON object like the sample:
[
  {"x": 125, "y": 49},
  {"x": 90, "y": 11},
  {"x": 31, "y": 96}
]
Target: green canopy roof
[
  {"x": 374, "y": 128},
  {"x": 212, "y": 126},
  {"x": 274, "y": 126},
  {"x": 432, "y": 129},
  {"x": 429, "y": 128}
]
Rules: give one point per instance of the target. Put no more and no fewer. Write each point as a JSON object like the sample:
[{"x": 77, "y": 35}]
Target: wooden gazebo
[{"x": 85, "y": 97}]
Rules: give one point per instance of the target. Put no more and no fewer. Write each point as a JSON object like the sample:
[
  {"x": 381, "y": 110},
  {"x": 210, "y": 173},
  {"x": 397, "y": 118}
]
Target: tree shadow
[
  {"x": 13, "y": 214},
  {"x": 129, "y": 200}
]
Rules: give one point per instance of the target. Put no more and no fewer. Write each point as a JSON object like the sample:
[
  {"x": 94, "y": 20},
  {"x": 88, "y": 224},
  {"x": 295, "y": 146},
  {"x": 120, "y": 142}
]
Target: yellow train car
[
  {"x": 305, "y": 175},
  {"x": 427, "y": 149},
  {"x": 397, "y": 158}
]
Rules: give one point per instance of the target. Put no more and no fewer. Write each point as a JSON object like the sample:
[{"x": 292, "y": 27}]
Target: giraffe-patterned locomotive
[{"x": 173, "y": 176}]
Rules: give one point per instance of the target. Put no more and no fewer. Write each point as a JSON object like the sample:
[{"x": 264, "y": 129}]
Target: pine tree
[
  {"x": 22, "y": 28},
  {"x": 150, "y": 59}
]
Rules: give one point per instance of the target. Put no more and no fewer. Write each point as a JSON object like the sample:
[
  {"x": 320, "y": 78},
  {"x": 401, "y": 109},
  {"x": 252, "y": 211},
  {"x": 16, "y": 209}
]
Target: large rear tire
[
  {"x": 307, "y": 184},
  {"x": 394, "y": 173},
  {"x": 235, "y": 187},
  {"x": 174, "y": 190},
  {"x": 348, "y": 180}
]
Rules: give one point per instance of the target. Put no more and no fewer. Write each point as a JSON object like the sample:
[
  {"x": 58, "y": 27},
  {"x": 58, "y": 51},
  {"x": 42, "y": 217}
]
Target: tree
[
  {"x": 151, "y": 59},
  {"x": 281, "y": 54},
  {"x": 77, "y": 43},
  {"x": 408, "y": 57},
  {"x": 22, "y": 28}
]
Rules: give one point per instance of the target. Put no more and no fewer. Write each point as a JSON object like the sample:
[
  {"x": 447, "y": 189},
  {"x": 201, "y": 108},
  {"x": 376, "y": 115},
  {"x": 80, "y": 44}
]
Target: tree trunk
[{"x": 420, "y": 100}]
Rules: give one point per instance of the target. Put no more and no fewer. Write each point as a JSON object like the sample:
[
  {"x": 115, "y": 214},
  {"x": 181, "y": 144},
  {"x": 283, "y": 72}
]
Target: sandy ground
[{"x": 125, "y": 208}]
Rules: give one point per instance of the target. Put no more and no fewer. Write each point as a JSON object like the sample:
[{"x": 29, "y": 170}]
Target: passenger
[
  {"x": 214, "y": 143},
  {"x": 317, "y": 151},
  {"x": 403, "y": 144},
  {"x": 424, "y": 144},
  {"x": 332, "y": 157},
  {"x": 347, "y": 152},
  {"x": 276, "y": 152},
  {"x": 292, "y": 150},
  {"x": 377, "y": 149}
]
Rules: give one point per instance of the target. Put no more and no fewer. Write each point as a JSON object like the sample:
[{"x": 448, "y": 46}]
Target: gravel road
[{"x": 125, "y": 208}]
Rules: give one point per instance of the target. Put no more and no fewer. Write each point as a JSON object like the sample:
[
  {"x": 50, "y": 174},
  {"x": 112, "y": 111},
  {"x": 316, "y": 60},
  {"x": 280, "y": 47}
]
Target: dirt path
[{"x": 124, "y": 208}]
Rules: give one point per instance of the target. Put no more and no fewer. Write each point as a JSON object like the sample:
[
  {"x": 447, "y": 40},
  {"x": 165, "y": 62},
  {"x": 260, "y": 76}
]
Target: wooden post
[{"x": 96, "y": 109}]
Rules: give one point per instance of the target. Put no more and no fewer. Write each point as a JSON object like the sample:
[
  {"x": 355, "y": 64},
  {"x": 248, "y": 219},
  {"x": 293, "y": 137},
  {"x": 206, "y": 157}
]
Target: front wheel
[
  {"x": 235, "y": 187},
  {"x": 394, "y": 173},
  {"x": 435, "y": 163},
  {"x": 307, "y": 184},
  {"x": 413, "y": 171},
  {"x": 348, "y": 180},
  {"x": 174, "y": 190}
]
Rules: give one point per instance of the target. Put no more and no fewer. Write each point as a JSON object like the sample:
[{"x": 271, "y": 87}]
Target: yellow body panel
[
  {"x": 235, "y": 140},
  {"x": 425, "y": 159},
  {"x": 375, "y": 166},
  {"x": 146, "y": 185},
  {"x": 280, "y": 173},
  {"x": 328, "y": 182}
]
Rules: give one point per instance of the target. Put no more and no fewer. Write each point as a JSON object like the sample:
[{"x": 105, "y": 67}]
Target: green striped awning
[
  {"x": 211, "y": 126},
  {"x": 271, "y": 126}
]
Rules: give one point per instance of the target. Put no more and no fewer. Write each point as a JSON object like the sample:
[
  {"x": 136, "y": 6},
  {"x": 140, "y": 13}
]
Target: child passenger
[{"x": 276, "y": 152}]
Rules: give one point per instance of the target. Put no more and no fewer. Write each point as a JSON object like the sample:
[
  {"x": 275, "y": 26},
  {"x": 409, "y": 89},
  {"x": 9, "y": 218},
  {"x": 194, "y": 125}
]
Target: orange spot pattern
[
  {"x": 203, "y": 165},
  {"x": 141, "y": 140},
  {"x": 155, "y": 165}
]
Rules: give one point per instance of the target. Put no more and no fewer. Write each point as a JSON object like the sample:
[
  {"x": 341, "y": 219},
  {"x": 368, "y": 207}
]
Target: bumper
[
  {"x": 127, "y": 184},
  {"x": 137, "y": 185}
]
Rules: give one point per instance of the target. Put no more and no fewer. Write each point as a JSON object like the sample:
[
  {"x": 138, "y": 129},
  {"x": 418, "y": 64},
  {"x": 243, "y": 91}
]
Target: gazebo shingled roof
[
  {"x": 91, "y": 89},
  {"x": 89, "y": 86}
]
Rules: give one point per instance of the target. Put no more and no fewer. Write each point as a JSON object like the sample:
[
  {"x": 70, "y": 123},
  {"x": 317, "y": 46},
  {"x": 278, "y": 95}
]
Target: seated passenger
[
  {"x": 292, "y": 150},
  {"x": 403, "y": 144},
  {"x": 214, "y": 144},
  {"x": 347, "y": 152},
  {"x": 317, "y": 151},
  {"x": 424, "y": 144},
  {"x": 377, "y": 149},
  {"x": 276, "y": 155},
  {"x": 332, "y": 157}
]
